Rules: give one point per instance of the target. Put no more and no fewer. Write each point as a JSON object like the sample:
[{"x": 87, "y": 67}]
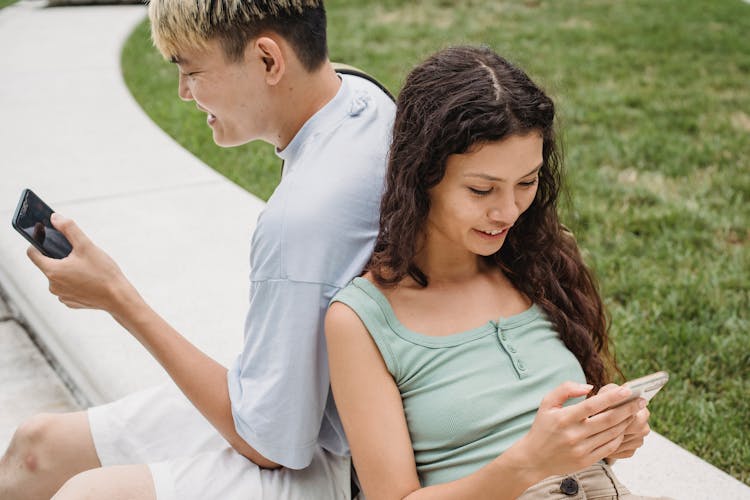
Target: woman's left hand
[{"x": 635, "y": 432}]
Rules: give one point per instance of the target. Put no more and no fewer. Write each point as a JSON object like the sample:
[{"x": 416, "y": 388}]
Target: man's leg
[
  {"x": 44, "y": 453},
  {"x": 119, "y": 482},
  {"x": 228, "y": 475},
  {"x": 149, "y": 426}
]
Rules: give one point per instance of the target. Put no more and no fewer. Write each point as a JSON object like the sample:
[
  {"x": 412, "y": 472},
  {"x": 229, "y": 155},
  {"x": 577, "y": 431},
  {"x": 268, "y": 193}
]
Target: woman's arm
[
  {"x": 562, "y": 439},
  {"x": 370, "y": 407}
]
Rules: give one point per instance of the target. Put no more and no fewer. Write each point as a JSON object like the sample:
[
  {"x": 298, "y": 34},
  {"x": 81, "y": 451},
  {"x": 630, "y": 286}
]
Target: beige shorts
[
  {"x": 595, "y": 482},
  {"x": 189, "y": 459}
]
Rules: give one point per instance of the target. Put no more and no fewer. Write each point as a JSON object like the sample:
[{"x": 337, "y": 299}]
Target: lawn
[
  {"x": 5, "y": 3},
  {"x": 655, "y": 111}
]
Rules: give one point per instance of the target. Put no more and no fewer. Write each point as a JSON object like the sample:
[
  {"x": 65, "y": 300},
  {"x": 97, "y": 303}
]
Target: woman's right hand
[{"x": 564, "y": 439}]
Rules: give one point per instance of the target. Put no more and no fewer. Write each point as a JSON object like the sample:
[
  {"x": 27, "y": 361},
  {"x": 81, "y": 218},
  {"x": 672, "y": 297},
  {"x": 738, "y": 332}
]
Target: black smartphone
[{"x": 31, "y": 219}]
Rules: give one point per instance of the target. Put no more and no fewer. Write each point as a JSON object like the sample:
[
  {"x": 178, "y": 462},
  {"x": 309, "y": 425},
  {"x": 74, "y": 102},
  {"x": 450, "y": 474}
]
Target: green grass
[
  {"x": 5, "y": 3},
  {"x": 655, "y": 109}
]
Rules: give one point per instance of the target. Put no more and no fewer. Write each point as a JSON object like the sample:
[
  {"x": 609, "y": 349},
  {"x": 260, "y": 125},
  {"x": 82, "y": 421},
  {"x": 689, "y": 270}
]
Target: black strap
[{"x": 346, "y": 69}]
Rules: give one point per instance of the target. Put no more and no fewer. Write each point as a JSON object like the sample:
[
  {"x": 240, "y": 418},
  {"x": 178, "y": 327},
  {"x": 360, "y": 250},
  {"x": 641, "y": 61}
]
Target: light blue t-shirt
[{"x": 315, "y": 234}]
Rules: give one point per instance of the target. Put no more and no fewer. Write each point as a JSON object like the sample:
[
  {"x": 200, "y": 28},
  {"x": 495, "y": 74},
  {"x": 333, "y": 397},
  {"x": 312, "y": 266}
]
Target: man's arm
[{"x": 89, "y": 278}]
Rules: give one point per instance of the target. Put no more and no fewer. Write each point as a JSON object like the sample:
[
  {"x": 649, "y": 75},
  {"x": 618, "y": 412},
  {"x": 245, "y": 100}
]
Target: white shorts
[{"x": 189, "y": 459}]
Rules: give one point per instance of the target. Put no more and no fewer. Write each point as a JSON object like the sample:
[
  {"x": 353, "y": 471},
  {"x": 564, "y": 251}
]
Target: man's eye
[{"x": 480, "y": 192}]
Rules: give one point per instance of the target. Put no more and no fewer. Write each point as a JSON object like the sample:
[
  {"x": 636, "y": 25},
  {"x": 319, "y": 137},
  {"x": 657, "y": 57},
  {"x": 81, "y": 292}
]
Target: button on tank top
[{"x": 467, "y": 396}]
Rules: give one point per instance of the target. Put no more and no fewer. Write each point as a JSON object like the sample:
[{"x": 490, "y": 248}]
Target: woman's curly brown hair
[{"x": 460, "y": 98}]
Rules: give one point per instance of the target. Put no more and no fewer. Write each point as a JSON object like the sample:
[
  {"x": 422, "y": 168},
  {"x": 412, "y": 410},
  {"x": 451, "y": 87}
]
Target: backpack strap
[{"x": 346, "y": 69}]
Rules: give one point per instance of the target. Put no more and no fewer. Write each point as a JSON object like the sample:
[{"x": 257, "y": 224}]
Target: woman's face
[{"x": 483, "y": 193}]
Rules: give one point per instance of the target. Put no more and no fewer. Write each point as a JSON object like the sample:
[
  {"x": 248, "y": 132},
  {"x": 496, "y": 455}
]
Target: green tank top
[{"x": 468, "y": 396}]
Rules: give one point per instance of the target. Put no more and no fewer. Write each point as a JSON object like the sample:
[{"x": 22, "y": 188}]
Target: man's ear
[{"x": 272, "y": 57}]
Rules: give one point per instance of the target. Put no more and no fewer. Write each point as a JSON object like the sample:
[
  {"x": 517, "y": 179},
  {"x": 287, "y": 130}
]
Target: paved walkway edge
[{"x": 64, "y": 368}]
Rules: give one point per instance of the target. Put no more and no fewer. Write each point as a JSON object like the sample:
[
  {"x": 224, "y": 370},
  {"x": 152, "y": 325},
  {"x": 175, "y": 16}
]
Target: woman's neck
[{"x": 443, "y": 267}]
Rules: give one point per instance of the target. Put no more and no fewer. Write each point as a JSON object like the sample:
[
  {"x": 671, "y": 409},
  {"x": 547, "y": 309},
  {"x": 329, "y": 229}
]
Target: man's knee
[
  {"x": 45, "y": 451},
  {"x": 33, "y": 440}
]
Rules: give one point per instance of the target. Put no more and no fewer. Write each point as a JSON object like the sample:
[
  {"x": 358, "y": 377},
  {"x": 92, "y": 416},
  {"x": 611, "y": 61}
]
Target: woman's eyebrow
[{"x": 487, "y": 177}]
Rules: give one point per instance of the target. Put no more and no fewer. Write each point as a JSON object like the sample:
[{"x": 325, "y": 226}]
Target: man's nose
[{"x": 183, "y": 90}]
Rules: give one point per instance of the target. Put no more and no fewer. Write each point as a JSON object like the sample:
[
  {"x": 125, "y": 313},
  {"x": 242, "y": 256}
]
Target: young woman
[{"x": 461, "y": 361}]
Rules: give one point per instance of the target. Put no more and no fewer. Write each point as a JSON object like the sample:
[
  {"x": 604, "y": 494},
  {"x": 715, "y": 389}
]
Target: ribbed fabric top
[{"x": 467, "y": 396}]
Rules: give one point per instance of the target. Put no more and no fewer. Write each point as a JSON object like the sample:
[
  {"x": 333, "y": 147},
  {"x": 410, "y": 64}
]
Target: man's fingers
[
  {"x": 69, "y": 229},
  {"x": 38, "y": 258},
  {"x": 71, "y": 303},
  {"x": 562, "y": 393}
]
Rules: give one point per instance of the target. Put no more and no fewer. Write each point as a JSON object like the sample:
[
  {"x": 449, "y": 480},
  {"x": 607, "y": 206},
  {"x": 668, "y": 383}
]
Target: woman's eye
[
  {"x": 480, "y": 192},
  {"x": 529, "y": 183}
]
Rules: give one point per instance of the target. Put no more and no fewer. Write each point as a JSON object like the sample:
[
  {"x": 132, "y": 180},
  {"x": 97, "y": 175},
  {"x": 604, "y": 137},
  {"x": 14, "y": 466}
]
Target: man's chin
[{"x": 225, "y": 142}]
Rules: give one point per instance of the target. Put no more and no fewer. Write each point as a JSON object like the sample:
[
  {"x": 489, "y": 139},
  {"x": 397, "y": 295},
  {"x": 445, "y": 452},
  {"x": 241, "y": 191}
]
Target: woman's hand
[
  {"x": 88, "y": 277},
  {"x": 564, "y": 439},
  {"x": 634, "y": 433}
]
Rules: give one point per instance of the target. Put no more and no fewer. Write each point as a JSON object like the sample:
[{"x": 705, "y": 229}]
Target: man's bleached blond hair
[{"x": 189, "y": 24}]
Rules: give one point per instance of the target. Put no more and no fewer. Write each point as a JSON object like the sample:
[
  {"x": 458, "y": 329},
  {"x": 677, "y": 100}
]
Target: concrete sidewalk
[
  {"x": 74, "y": 135},
  {"x": 24, "y": 371},
  {"x": 180, "y": 231}
]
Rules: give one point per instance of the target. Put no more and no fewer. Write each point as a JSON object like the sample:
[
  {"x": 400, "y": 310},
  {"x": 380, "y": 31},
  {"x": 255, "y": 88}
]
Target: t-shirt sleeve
[{"x": 279, "y": 384}]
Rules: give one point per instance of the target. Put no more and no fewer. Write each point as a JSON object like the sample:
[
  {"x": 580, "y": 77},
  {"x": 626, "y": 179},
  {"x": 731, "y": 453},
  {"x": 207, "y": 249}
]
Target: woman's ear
[{"x": 270, "y": 53}]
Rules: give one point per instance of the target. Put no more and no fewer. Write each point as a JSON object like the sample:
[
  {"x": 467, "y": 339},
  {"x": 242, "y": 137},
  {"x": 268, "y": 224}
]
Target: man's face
[{"x": 232, "y": 94}]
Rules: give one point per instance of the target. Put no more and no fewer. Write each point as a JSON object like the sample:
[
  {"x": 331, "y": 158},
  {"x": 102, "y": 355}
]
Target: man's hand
[{"x": 88, "y": 277}]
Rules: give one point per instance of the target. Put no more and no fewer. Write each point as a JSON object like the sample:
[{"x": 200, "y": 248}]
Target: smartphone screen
[{"x": 31, "y": 219}]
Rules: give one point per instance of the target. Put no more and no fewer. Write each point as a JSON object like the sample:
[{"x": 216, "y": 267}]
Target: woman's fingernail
[{"x": 642, "y": 403}]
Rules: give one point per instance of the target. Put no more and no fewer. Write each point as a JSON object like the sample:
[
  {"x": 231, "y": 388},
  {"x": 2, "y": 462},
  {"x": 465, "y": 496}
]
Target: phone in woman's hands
[{"x": 645, "y": 387}]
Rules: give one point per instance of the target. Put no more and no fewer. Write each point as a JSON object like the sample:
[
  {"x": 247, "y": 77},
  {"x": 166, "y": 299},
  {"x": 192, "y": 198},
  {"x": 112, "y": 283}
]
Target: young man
[{"x": 267, "y": 427}]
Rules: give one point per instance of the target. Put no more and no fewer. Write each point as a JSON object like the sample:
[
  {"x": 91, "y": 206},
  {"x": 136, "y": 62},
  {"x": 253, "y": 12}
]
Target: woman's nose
[{"x": 504, "y": 211}]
